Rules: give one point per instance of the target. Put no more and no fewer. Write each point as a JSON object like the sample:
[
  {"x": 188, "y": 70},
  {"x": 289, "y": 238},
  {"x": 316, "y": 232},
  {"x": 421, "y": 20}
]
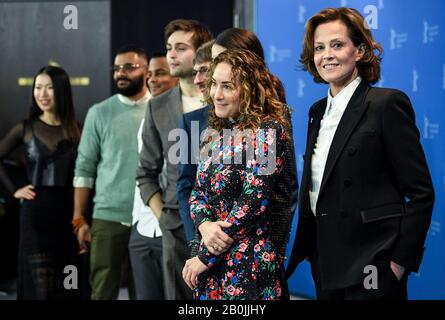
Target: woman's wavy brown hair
[
  {"x": 259, "y": 98},
  {"x": 360, "y": 34}
]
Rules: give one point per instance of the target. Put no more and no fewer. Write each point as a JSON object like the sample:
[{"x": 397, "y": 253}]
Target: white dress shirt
[{"x": 334, "y": 111}]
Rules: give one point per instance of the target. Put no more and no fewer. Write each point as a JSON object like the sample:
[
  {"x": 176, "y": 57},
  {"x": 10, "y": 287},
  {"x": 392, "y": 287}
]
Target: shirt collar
[
  {"x": 128, "y": 101},
  {"x": 341, "y": 100}
]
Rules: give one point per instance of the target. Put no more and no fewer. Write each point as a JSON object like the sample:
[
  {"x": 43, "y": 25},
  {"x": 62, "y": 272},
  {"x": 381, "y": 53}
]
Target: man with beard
[
  {"x": 108, "y": 157},
  {"x": 182, "y": 38}
]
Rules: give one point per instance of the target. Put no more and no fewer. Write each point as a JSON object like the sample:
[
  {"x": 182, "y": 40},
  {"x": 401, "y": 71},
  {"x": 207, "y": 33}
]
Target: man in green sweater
[{"x": 107, "y": 158}]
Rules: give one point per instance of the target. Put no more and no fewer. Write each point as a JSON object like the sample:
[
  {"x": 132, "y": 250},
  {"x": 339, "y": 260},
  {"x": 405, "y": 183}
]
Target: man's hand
[
  {"x": 26, "y": 192},
  {"x": 192, "y": 269},
  {"x": 215, "y": 239},
  {"x": 397, "y": 269},
  {"x": 156, "y": 204},
  {"x": 84, "y": 238},
  {"x": 83, "y": 234}
]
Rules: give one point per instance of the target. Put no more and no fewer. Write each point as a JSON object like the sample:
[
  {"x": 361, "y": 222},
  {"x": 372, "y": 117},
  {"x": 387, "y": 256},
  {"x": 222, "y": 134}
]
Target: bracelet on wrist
[{"x": 78, "y": 223}]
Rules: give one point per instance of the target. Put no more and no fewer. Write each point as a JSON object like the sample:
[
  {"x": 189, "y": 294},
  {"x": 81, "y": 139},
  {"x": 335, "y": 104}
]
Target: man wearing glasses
[{"x": 107, "y": 158}]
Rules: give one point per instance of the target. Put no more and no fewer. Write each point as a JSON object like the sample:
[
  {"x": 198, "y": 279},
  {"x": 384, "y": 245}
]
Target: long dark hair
[
  {"x": 237, "y": 38},
  {"x": 63, "y": 99}
]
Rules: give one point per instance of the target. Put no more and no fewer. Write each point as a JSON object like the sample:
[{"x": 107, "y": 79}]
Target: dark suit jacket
[{"x": 376, "y": 196}]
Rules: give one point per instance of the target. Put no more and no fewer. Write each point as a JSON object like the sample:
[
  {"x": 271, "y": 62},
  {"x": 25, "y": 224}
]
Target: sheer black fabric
[
  {"x": 49, "y": 157},
  {"x": 47, "y": 243}
]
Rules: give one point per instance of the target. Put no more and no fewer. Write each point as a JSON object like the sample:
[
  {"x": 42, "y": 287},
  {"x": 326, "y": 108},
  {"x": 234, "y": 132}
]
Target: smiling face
[
  {"x": 159, "y": 78},
  {"x": 335, "y": 55},
  {"x": 225, "y": 92},
  {"x": 131, "y": 77},
  {"x": 199, "y": 78},
  {"x": 44, "y": 93}
]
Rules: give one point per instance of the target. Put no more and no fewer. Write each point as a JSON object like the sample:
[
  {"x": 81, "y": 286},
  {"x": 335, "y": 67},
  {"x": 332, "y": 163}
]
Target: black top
[{"x": 49, "y": 157}]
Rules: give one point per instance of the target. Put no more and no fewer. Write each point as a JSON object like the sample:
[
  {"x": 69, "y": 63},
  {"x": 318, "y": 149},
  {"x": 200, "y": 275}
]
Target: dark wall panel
[
  {"x": 33, "y": 35},
  {"x": 143, "y": 22}
]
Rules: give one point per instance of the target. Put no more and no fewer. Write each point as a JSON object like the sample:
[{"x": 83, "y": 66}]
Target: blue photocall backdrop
[{"x": 410, "y": 32}]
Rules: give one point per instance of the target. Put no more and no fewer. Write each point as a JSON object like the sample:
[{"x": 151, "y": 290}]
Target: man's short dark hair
[
  {"x": 201, "y": 33},
  {"x": 133, "y": 48},
  {"x": 158, "y": 54},
  {"x": 204, "y": 53}
]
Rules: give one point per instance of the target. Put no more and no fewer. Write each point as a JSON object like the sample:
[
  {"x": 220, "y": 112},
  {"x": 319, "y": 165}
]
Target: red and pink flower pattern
[{"x": 237, "y": 193}]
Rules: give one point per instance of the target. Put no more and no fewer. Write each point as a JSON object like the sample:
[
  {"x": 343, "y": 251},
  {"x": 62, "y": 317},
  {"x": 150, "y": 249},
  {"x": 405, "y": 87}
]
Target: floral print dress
[{"x": 239, "y": 192}]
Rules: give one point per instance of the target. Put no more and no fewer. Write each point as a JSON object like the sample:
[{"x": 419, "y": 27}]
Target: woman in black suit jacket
[{"x": 366, "y": 194}]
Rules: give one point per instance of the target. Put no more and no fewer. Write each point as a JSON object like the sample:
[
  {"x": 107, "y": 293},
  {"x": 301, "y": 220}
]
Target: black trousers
[
  {"x": 388, "y": 286},
  {"x": 175, "y": 252},
  {"x": 146, "y": 263}
]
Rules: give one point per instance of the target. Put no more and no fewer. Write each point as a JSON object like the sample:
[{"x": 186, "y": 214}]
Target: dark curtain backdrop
[
  {"x": 142, "y": 22},
  {"x": 33, "y": 35}
]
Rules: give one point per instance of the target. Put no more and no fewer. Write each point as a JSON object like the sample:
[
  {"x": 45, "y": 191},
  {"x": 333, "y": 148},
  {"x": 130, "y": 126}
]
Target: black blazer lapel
[
  {"x": 315, "y": 115},
  {"x": 304, "y": 238},
  {"x": 352, "y": 115}
]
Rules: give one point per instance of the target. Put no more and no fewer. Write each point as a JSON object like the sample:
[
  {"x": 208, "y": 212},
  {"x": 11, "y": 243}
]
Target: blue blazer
[{"x": 187, "y": 170}]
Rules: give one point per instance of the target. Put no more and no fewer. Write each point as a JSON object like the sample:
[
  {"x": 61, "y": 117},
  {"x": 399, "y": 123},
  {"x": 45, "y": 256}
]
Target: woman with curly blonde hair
[{"x": 234, "y": 188}]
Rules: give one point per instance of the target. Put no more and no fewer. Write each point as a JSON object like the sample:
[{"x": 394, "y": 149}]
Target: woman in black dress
[{"x": 50, "y": 136}]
